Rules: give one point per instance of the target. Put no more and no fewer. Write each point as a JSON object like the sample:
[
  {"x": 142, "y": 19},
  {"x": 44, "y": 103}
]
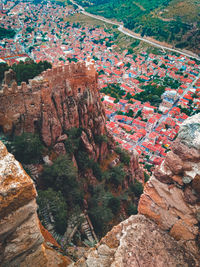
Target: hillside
[
  {"x": 56, "y": 128},
  {"x": 175, "y": 21}
]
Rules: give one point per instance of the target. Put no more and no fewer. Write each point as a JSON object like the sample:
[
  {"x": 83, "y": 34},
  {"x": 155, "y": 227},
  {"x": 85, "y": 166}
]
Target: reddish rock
[
  {"x": 190, "y": 197},
  {"x": 184, "y": 152},
  {"x": 174, "y": 162},
  {"x": 137, "y": 241},
  {"x": 196, "y": 184},
  {"x": 61, "y": 98},
  {"x": 59, "y": 148}
]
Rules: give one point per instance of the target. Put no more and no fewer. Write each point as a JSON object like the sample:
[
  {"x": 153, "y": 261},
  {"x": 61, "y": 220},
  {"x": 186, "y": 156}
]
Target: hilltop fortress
[{"x": 58, "y": 99}]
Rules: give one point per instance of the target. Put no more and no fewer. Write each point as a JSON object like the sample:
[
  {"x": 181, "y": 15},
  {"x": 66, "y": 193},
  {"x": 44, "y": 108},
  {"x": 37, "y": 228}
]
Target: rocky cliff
[
  {"x": 166, "y": 233},
  {"x": 21, "y": 241},
  {"x": 172, "y": 195},
  {"x": 59, "y": 99}
]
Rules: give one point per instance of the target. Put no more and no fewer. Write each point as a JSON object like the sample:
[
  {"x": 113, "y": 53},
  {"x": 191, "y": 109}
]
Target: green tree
[
  {"x": 62, "y": 175},
  {"x": 55, "y": 206},
  {"x": 27, "y": 148},
  {"x": 114, "y": 204}
]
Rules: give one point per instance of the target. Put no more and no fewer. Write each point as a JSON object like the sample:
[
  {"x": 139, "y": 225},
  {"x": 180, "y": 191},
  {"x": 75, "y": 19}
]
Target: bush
[
  {"x": 99, "y": 139},
  {"x": 100, "y": 217},
  {"x": 137, "y": 188},
  {"x": 55, "y": 206},
  {"x": 114, "y": 204},
  {"x": 115, "y": 175},
  {"x": 27, "y": 148},
  {"x": 132, "y": 209},
  {"x": 96, "y": 170},
  {"x": 62, "y": 176},
  {"x": 124, "y": 155},
  {"x": 146, "y": 177}
]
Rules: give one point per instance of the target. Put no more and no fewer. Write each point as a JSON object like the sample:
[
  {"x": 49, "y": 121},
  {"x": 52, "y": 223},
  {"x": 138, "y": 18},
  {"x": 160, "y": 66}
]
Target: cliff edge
[
  {"x": 21, "y": 241},
  {"x": 166, "y": 232}
]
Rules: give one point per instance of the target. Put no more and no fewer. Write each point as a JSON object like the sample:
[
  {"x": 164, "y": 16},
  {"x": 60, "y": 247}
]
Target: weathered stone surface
[
  {"x": 174, "y": 163},
  {"x": 138, "y": 242},
  {"x": 21, "y": 241},
  {"x": 171, "y": 196}
]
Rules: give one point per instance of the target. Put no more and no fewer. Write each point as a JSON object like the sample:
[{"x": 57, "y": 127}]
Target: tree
[
  {"x": 3, "y": 67},
  {"x": 114, "y": 204},
  {"x": 132, "y": 209},
  {"x": 137, "y": 188},
  {"x": 100, "y": 217},
  {"x": 27, "y": 148},
  {"x": 55, "y": 206},
  {"x": 62, "y": 175},
  {"x": 115, "y": 175}
]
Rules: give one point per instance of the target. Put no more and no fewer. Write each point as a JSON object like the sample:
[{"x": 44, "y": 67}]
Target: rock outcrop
[
  {"x": 21, "y": 241},
  {"x": 166, "y": 233},
  {"x": 172, "y": 197},
  {"x": 57, "y": 100},
  {"x": 137, "y": 242}
]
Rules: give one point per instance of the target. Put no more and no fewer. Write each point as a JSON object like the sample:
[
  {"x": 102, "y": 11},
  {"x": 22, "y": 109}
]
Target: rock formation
[
  {"x": 166, "y": 233},
  {"x": 21, "y": 241},
  {"x": 172, "y": 197},
  {"x": 59, "y": 99},
  {"x": 137, "y": 242}
]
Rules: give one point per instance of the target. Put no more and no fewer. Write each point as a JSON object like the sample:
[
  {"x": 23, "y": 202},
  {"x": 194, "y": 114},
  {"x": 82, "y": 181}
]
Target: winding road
[{"x": 135, "y": 36}]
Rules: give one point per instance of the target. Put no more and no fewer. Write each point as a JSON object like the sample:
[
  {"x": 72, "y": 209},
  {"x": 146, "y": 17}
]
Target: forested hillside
[{"x": 173, "y": 21}]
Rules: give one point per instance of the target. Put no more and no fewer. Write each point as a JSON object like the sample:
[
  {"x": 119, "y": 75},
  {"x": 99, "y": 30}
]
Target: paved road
[{"x": 133, "y": 35}]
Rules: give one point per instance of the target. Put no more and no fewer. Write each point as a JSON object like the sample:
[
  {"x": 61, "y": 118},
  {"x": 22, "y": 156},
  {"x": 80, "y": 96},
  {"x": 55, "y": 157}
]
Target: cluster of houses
[{"x": 44, "y": 34}]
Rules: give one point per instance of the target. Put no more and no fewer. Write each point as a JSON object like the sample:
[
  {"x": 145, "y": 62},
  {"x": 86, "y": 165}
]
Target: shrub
[
  {"x": 115, "y": 175},
  {"x": 62, "y": 176},
  {"x": 137, "y": 188},
  {"x": 146, "y": 177},
  {"x": 100, "y": 217},
  {"x": 114, "y": 204},
  {"x": 27, "y": 148},
  {"x": 132, "y": 209},
  {"x": 55, "y": 206},
  {"x": 124, "y": 155}
]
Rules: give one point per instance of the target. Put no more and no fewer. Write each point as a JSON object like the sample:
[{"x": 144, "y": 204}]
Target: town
[{"x": 146, "y": 96}]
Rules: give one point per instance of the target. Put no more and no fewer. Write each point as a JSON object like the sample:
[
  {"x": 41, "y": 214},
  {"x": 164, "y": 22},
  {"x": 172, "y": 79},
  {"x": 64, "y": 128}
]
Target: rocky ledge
[
  {"x": 137, "y": 242},
  {"x": 172, "y": 195},
  {"x": 21, "y": 241},
  {"x": 166, "y": 233}
]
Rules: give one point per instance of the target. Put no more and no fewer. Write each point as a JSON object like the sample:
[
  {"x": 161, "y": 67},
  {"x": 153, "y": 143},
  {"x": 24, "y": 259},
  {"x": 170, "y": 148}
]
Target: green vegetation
[
  {"x": 124, "y": 155},
  {"x": 3, "y": 67},
  {"x": 6, "y": 33},
  {"x": 62, "y": 176},
  {"x": 55, "y": 206},
  {"x": 165, "y": 20},
  {"x": 151, "y": 93},
  {"x": 64, "y": 187},
  {"x": 115, "y": 176},
  {"x": 113, "y": 90},
  {"x": 136, "y": 188},
  {"x": 25, "y": 70},
  {"x": 27, "y": 148}
]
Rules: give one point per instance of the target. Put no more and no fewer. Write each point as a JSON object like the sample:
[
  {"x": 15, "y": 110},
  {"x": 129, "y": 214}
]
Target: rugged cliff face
[
  {"x": 21, "y": 241},
  {"x": 167, "y": 231},
  {"x": 59, "y": 99},
  {"x": 172, "y": 195},
  {"x": 137, "y": 242}
]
